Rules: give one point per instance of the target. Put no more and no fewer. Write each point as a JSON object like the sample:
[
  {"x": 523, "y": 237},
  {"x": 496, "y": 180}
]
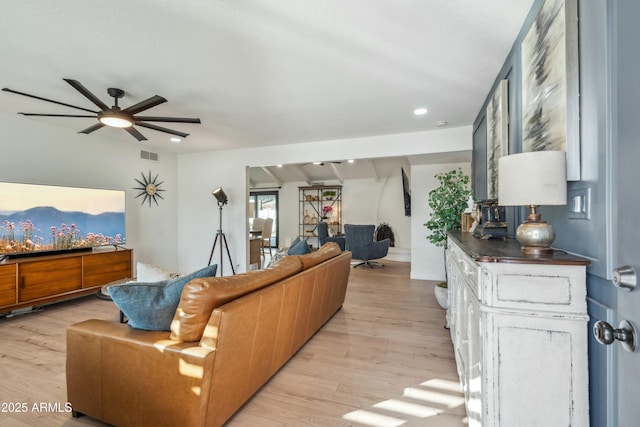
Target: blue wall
[{"x": 589, "y": 237}]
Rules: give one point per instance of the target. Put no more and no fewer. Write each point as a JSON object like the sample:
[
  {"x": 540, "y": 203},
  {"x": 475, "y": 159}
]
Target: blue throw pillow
[
  {"x": 151, "y": 306},
  {"x": 295, "y": 242},
  {"x": 299, "y": 248}
]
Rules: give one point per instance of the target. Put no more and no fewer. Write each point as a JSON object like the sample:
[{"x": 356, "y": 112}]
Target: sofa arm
[{"x": 130, "y": 377}]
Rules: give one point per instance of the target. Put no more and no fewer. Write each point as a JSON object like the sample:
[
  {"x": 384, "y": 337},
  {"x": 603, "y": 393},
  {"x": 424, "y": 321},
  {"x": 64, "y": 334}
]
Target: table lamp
[{"x": 533, "y": 179}]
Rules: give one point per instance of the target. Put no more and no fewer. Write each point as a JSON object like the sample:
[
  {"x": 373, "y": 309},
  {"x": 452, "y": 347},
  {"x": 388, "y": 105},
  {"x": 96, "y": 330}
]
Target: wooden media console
[{"x": 40, "y": 280}]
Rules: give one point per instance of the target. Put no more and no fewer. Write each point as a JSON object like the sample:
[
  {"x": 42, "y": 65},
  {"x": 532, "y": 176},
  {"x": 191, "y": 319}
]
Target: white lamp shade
[{"x": 533, "y": 178}]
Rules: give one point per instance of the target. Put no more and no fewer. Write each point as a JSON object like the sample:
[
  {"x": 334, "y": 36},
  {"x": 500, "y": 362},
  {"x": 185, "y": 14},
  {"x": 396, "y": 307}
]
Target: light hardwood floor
[{"x": 383, "y": 360}]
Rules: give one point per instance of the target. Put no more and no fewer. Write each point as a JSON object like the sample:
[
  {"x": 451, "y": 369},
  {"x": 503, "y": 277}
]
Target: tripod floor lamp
[{"x": 222, "y": 199}]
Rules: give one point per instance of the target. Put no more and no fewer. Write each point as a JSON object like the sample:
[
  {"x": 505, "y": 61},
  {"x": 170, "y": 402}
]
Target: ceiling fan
[{"x": 115, "y": 116}]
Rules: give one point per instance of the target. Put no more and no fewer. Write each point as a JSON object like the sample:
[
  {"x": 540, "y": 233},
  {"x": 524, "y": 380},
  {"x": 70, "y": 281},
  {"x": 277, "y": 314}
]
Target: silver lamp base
[{"x": 535, "y": 236}]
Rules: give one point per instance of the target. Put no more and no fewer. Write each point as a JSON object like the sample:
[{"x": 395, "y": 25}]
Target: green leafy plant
[{"x": 447, "y": 202}]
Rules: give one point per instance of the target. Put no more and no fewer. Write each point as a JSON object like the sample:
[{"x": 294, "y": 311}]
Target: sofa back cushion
[
  {"x": 199, "y": 297},
  {"x": 326, "y": 251}
]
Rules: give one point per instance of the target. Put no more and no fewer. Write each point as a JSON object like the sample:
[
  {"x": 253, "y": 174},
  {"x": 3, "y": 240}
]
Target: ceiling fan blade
[
  {"x": 134, "y": 133},
  {"x": 161, "y": 129},
  {"x": 56, "y": 115},
  {"x": 48, "y": 100},
  {"x": 92, "y": 128},
  {"x": 83, "y": 90},
  {"x": 145, "y": 105},
  {"x": 167, "y": 119}
]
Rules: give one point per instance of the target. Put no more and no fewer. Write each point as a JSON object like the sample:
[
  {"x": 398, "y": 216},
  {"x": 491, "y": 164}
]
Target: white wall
[
  {"x": 38, "y": 153},
  {"x": 391, "y": 210},
  {"x": 427, "y": 260},
  {"x": 361, "y": 198},
  {"x": 368, "y": 201},
  {"x": 200, "y": 173}
]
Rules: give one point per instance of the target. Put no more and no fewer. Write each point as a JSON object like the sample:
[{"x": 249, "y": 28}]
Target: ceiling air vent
[{"x": 148, "y": 155}]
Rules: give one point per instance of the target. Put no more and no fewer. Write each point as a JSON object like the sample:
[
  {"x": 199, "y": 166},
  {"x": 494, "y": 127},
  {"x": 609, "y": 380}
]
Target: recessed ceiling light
[
  {"x": 350, "y": 161},
  {"x": 279, "y": 166},
  {"x": 317, "y": 163},
  {"x": 420, "y": 111},
  {"x": 442, "y": 123},
  {"x": 175, "y": 139}
]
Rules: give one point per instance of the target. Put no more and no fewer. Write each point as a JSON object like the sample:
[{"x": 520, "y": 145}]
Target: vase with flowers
[{"x": 326, "y": 211}]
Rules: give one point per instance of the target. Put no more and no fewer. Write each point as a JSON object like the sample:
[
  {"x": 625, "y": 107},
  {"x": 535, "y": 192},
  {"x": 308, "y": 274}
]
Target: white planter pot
[{"x": 442, "y": 296}]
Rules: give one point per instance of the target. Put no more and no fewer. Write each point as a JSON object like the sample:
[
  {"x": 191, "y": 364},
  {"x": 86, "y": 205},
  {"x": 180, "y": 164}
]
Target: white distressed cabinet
[{"x": 519, "y": 332}]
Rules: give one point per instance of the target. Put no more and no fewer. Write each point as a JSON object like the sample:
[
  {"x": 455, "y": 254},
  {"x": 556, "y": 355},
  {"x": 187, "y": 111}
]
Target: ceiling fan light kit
[
  {"x": 115, "y": 120},
  {"x": 115, "y": 116}
]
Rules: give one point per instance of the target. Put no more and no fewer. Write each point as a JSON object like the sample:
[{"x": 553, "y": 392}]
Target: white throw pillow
[{"x": 152, "y": 273}]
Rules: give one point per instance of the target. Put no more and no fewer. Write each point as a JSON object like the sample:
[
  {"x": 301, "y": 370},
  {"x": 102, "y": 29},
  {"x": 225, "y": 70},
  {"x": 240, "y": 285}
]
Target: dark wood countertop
[{"x": 508, "y": 251}]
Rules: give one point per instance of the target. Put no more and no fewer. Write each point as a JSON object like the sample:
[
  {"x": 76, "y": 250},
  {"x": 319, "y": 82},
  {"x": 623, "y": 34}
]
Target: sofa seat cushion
[
  {"x": 200, "y": 297},
  {"x": 326, "y": 251},
  {"x": 152, "y": 305}
]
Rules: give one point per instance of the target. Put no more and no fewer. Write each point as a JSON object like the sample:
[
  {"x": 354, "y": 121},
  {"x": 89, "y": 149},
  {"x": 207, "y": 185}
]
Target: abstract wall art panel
[{"x": 550, "y": 83}]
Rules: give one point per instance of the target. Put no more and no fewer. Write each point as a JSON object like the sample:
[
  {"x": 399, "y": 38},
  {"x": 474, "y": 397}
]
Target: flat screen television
[
  {"x": 406, "y": 191},
  {"x": 39, "y": 219}
]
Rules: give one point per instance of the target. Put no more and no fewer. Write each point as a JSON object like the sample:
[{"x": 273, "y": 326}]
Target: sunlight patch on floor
[
  {"x": 407, "y": 408},
  {"x": 447, "y": 400},
  {"x": 429, "y": 399},
  {"x": 445, "y": 385},
  {"x": 372, "y": 419}
]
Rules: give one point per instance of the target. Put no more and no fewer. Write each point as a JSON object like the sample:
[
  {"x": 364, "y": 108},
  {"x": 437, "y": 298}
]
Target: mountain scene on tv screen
[{"x": 47, "y": 228}]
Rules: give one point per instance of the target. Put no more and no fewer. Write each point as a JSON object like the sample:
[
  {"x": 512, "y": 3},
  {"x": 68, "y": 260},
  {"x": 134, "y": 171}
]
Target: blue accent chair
[
  {"x": 323, "y": 236},
  {"x": 359, "y": 240}
]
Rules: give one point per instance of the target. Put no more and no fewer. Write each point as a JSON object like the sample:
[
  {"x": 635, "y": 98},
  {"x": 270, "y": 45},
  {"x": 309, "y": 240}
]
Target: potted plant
[
  {"x": 447, "y": 203},
  {"x": 329, "y": 194}
]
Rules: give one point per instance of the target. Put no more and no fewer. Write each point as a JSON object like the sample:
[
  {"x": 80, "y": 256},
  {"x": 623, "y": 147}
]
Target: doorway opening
[{"x": 264, "y": 204}]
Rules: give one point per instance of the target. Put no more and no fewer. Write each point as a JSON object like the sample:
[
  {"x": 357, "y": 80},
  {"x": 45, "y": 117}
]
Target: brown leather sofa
[{"x": 228, "y": 337}]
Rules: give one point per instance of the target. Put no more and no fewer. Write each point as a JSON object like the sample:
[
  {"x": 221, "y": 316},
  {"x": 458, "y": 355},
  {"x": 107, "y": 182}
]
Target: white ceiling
[
  {"x": 259, "y": 72},
  {"x": 341, "y": 170}
]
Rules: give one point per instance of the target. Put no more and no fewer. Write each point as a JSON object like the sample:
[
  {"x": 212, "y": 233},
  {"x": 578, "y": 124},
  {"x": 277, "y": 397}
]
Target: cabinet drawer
[
  {"x": 102, "y": 268},
  {"x": 537, "y": 288},
  {"x": 7, "y": 285},
  {"x": 46, "y": 278}
]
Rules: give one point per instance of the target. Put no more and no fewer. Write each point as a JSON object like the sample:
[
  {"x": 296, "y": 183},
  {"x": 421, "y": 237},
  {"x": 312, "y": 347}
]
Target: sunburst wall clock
[{"x": 149, "y": 189}]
